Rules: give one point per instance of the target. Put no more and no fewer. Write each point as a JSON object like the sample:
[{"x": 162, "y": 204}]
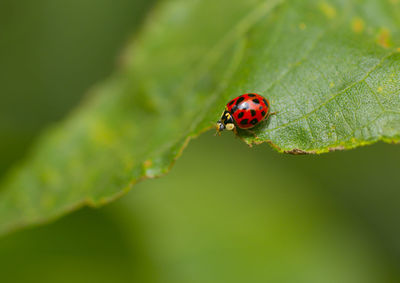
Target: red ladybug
[{"x": 244, "y": 112}]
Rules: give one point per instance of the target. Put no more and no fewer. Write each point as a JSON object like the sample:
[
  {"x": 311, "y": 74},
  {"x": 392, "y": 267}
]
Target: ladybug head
[
  {"x": 220, "y": 126},
  {"x": 226, "y": 122}
]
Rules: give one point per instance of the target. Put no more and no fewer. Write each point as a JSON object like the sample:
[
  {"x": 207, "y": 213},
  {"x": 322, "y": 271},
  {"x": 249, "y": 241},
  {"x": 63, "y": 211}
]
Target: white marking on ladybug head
[{"x": 230, "y": 126}]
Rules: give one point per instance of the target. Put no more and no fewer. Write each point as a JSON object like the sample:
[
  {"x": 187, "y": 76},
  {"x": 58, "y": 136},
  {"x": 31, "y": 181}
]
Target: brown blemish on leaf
[
  {"x": 302, "y": 26},
  {"x": 340, "y": 147},
  {"x": 297, "y": 151}
]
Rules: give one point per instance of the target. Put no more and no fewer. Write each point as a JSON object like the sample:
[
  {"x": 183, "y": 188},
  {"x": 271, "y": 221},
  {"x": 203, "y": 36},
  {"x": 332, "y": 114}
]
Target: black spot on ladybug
[
  {"x": 251, "y": 94},
  {"x": 265, "y": 101},
  {"x": 263, "y": 113},
  {"x": 240, "y": 115},
  {"x": 230, "y": 103},
  {"x": 255, "y": 100},
  {"x": 254, "y": 121},
  {"x": 234, "y": 108},
  {"x": 244, "y": 121},
  {"x": 240, "y": 99},
  {"x": 253, "y": 112},
  {"x": 260, "y": 107},
  {"x": 244, "y": 106}
]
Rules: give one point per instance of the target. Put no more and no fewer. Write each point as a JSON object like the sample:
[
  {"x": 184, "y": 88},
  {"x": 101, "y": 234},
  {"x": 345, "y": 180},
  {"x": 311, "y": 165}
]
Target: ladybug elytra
[{"x": 244, "y": 112}]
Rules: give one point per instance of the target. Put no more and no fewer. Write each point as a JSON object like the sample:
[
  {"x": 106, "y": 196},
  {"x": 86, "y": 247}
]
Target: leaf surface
[{"x": 330, "y": 70}]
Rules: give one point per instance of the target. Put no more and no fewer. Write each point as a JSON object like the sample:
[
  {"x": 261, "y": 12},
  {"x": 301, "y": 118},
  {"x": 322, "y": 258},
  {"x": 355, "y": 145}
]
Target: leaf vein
[
  {"x": 294, "y": 65},
  {"x": 245, "y": 24},
  {"x": 375, "y": 95}
]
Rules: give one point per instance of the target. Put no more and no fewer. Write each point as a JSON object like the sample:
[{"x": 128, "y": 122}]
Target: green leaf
[{"x": 330, "y": 70}]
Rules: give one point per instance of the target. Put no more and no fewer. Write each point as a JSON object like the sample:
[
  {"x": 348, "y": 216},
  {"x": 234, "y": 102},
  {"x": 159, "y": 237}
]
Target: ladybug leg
[
  {"x": 252, "y": 133},
  {"x": 270, "y": 114},
  {"x": 235, "y": 131},
  {"x": 243, "y": 139}
]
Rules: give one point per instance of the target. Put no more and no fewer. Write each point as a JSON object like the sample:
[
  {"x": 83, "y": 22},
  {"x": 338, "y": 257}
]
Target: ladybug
[{"x": 244, "y": 112}]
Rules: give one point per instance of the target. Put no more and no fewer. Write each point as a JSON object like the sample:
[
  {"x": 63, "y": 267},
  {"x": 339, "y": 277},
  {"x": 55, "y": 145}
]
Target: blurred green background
[{"x": 225, "y": 213}]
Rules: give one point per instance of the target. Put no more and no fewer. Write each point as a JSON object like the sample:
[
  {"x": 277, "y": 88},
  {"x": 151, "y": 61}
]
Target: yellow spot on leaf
[
  {"x": 302, "y": 26},
  {"x": 398, "y": 49},
  {"x": 384, "y": 38},
  {"x": 380, "y": 89},
  {"x": 357, "y": 25},
  {"x": 328, "y": 10},
  {"x": 147, "y": 164},
  {"x": 332, "y": 84},
  {"x": 394, "y": 2},
  {"x": 102, "y": 135}
]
